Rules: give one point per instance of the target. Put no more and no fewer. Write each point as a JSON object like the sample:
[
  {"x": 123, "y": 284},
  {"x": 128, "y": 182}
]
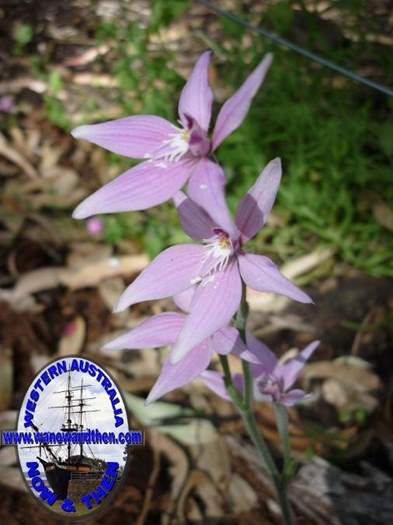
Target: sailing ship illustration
[{"x": 70, "y": 462}]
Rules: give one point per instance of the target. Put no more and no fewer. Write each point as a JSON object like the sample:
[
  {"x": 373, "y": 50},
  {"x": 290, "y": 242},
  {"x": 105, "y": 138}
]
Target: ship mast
[
  {"x": 81, "y": 405},
  {"x": 68, "y": 426},
  {"x": 73, "y": 403}
]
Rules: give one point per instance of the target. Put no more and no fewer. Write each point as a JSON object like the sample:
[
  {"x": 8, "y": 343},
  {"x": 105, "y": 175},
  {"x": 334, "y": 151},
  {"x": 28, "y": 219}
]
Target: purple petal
[
  {"x": 160, "y": 330},
  {"x": 238, "y": 381},
  {"x": 215, "y": 382},
  {"x": 141, "y": 187},
  {"x": 206, "y": 188},
  {"x": 228, "y": 340},
  {"x": 194, "y": 220},
  {"x": 196, "y": 97},
  {"x": 235, "y": 108},
  {"x": 291, "y": 369},
  {"x": 264, "y": 361},
  {"x": 262, "y": 396},
  {"x": 293, "y": 397},
  {"x": 169, "y": 273},
  {"x": 255, "y": 206},
  {"x": 215, "y": 301},
  {"x": 177, "y": 375},
  {"x": 135, "y": 137},
  {"x": 183, "y": 299},
  {"x": 260, "y": 273}
]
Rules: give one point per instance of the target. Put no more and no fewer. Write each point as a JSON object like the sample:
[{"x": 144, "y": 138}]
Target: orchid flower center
[
  {"x": 190, "y": 138},
  {"x": 271, "y": 386},
  {"x": 173, "y": 148},
  {"x": 219, "y": 249}
]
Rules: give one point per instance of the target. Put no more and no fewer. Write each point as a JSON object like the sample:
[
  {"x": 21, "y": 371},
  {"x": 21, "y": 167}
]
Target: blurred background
[{"x": 63, "y": 64}]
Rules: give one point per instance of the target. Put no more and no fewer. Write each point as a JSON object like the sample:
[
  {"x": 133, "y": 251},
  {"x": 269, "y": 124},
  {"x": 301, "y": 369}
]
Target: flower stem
[
  {"x": 248, "y": 384},
  {"x": 231, "y": 389},
  {"x": 264, "y": 453},
  {"x": 282, "y": 425},
  {"x": 244, "y": 405}
]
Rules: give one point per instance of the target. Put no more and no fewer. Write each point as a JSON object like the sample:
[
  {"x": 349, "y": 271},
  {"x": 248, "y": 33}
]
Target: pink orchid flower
[
  {"x": 173, "y": 154},
  {"x": 94, "y": 226},
  {"x": 212, "y": 273},
  {"x": 163, "y": 330},
  {"x": 273, "y": 379}
]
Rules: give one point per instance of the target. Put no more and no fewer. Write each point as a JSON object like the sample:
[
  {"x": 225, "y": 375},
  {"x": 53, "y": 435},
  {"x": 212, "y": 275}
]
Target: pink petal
[
  {"x": 238, "y": 381},
  {"x": 141, "y": 187},
  {"x": 135, "y": 137},
  {"x": 228, "y": 340},
  {"x": 194, "y": 220},
  {"x": 177, "y": 375},
  {"x": 260, "y": 273},
  {"x": 215, "y": 382},
  {"x": 291, "y": 369},
  {"x": 206, "y": 188},
  {"x": 293, "y": 397},
  {"x": 264, "y": 359},
  {"x": 235, "y": 108},
  {"x": 196, "y": 97},
  {"x": 159, "y": 330},
  {"x": 215, "y": 301},
  {"x": 169, "y": 273},
  {"x": 183, "y": 299},
  {"x": 256, "y": 205}
]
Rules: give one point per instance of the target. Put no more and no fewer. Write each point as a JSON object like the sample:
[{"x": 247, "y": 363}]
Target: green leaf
[
  {"x": 385, "y": 138},
  {"x": 23, "y": 34}
]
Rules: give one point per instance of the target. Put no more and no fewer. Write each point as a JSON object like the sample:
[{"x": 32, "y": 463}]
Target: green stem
[
  {"x": 240, "y": 324},
  {"x": 242, "y": 314},
  {"x": 244, "y": 405},
  {"x": 282, "y": 425},
  {"x": 267, "y": 459},
  {"x": 248, "y": 386},
  {"x": 231, "y": 389}
]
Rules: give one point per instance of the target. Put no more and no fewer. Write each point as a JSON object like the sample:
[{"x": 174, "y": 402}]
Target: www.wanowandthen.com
[{"x": 89, "y": 437}]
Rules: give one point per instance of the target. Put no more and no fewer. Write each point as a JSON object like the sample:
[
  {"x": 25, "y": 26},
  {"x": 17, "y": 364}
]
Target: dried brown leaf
[
  {"x": 359, "y": 377},
  {"x": 6, "y": 378},
  {"x": 10, "y": 153},
  {"x": 383, "y": 214}
]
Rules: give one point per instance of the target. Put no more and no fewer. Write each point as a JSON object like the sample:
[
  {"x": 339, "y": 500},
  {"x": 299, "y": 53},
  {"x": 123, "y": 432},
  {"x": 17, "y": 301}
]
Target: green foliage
[
  {"x": 56, "y": 112},
  {"x": 23, "y": 34},
  {"x": 280, "y": 16},
  {"x": 114, "y": 230},
  {"x": 164, "y": 12},
  {"x": 385, "y": 138},
  {"x": 55, "y": 82}
]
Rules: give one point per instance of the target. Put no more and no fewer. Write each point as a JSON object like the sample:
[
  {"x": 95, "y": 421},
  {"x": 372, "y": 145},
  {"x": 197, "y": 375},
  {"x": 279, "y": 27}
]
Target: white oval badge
[{"x": 73, "y": 437}]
